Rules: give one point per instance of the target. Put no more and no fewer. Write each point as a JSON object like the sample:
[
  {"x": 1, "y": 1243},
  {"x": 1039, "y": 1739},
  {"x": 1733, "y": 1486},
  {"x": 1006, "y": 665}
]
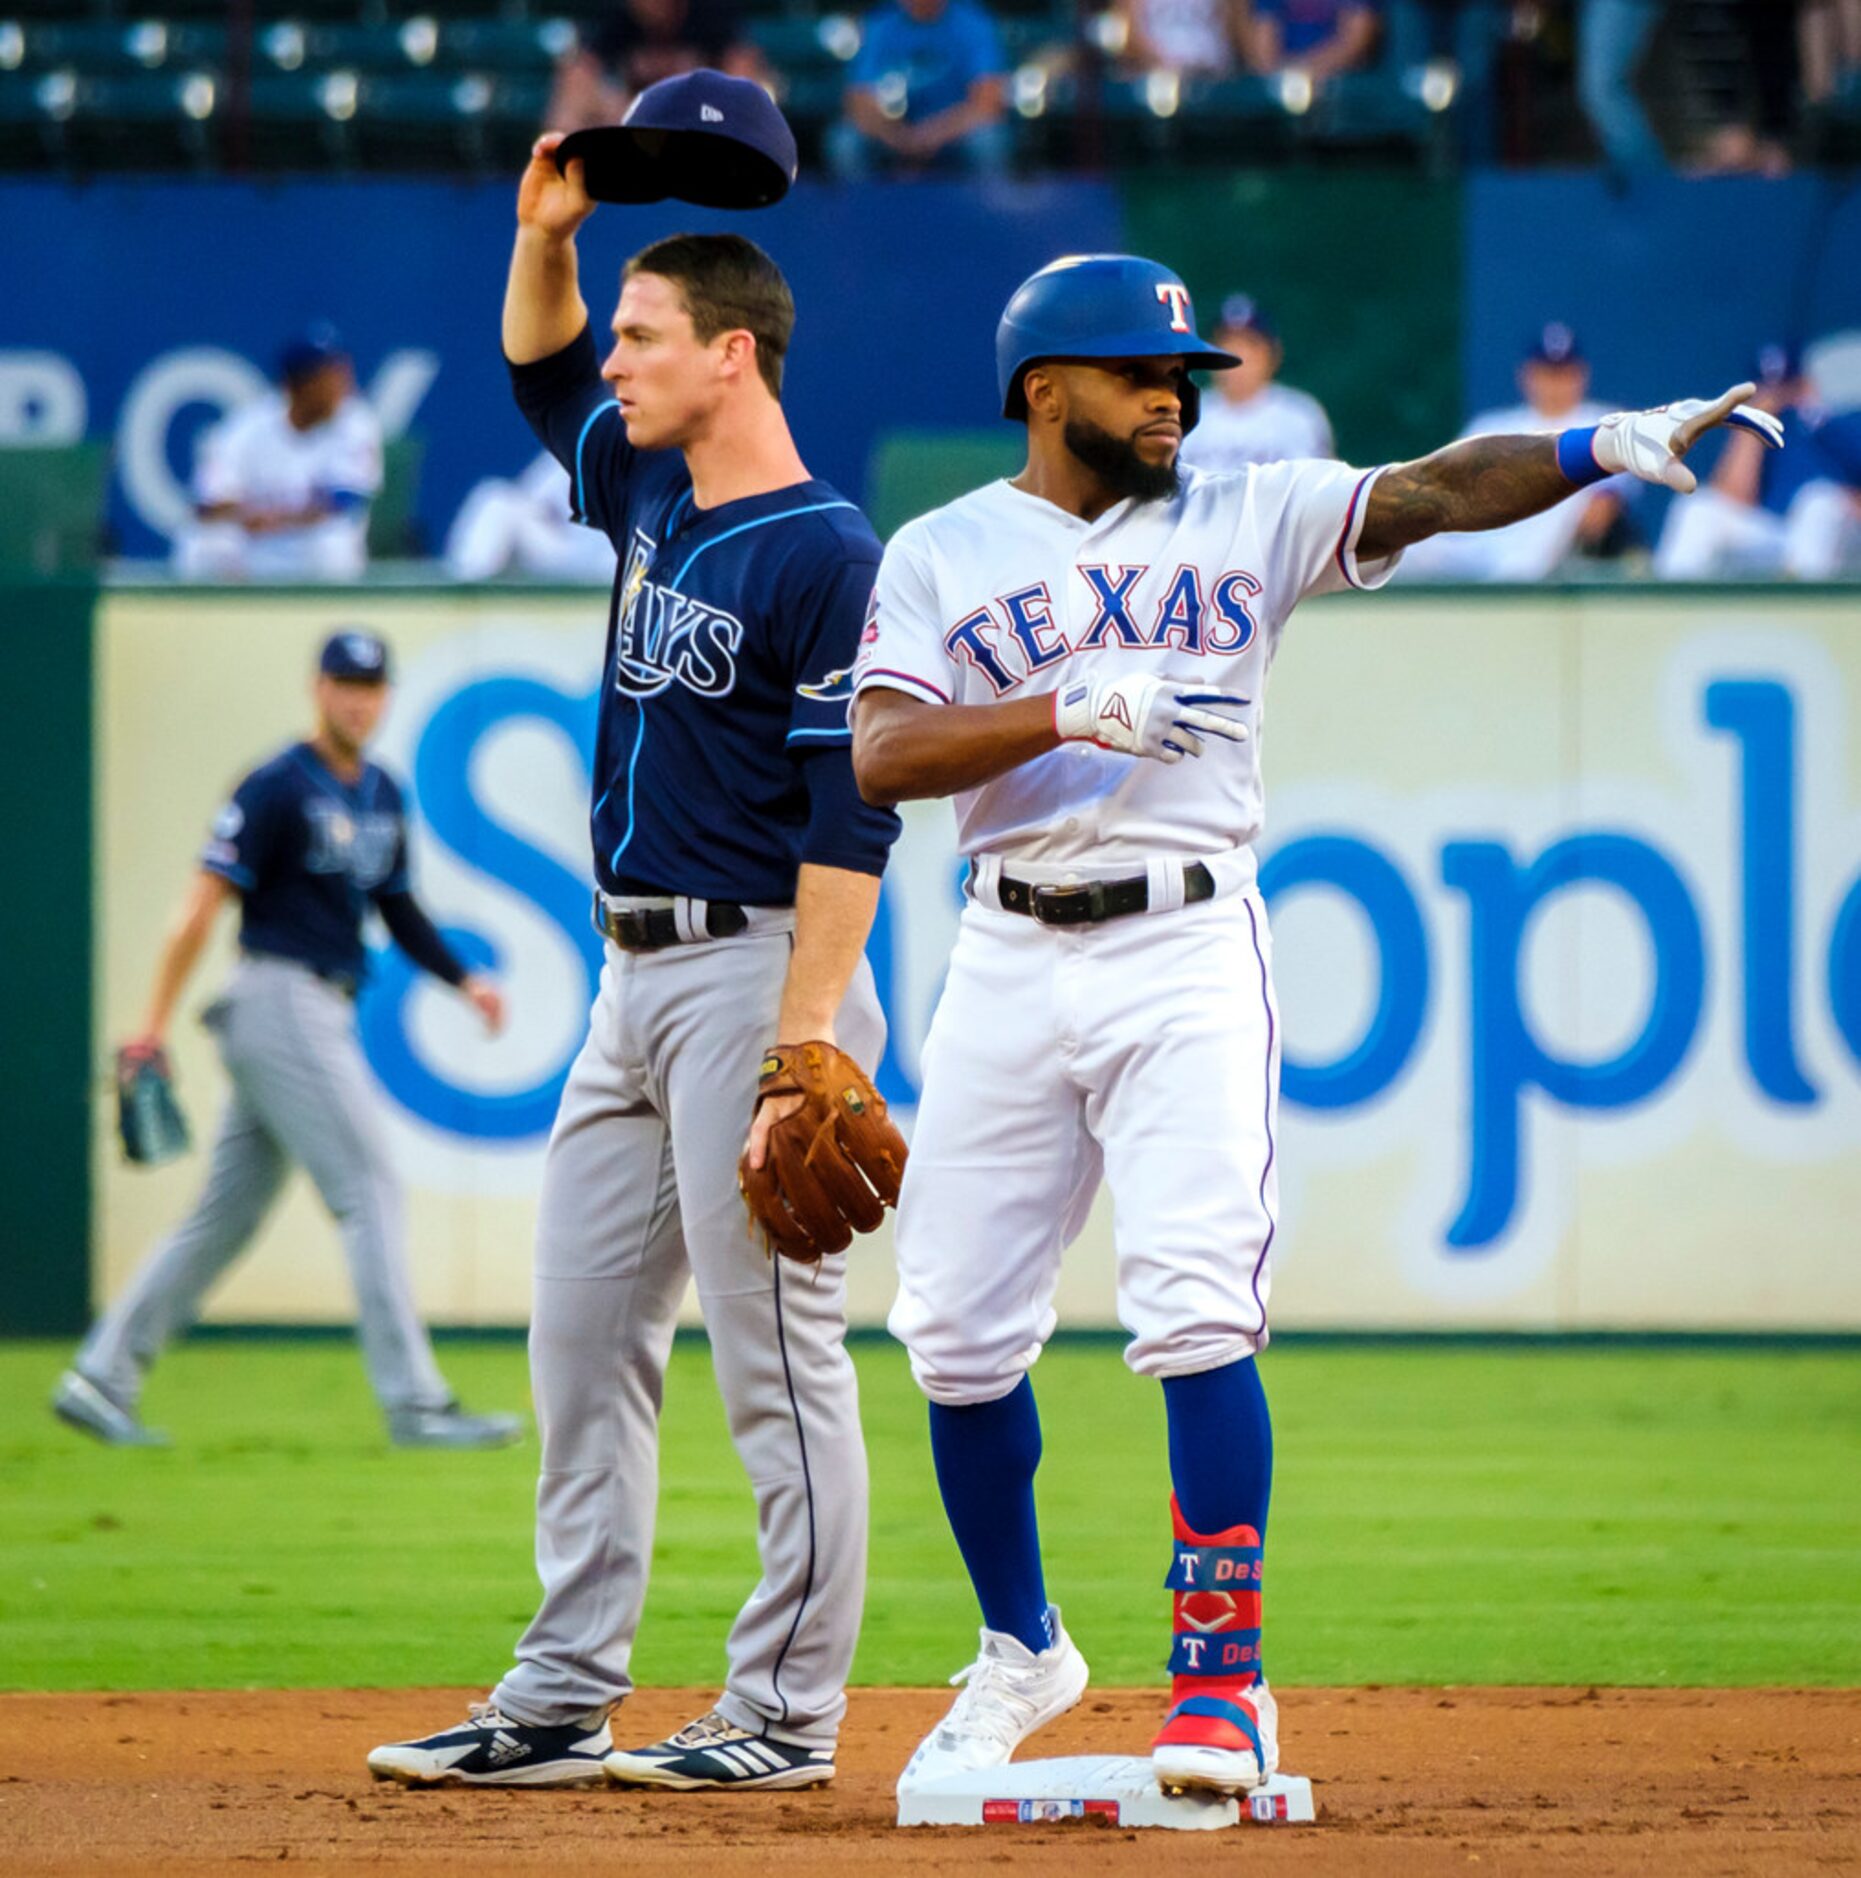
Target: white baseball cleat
[
  {"x": 1008, "y": 1692},
  {"x": 1218, "y": 1744}
]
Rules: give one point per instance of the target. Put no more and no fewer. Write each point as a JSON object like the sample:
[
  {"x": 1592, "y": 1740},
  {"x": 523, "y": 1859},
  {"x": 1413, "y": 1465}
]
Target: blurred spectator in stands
[
  {"x": 1612, "y": 41},
  {"x": 1177, "y": 35},
  {"x": 1247, "y": 415},
  {"x": 282, "y": 486},
  {"x": 630, "y": 44},
  {"x": 523, "y": 527},
  {"x": 1555, "y": 380},
  {"x": 1829, "y": 42},
  {"x": 1316, "y": 37},
  {"x": 926, "y": 92},
  {"x": 1757, "y": 142},
  {"x": 1467, "y": 35},
  {"x": 1793, "y": 511}
]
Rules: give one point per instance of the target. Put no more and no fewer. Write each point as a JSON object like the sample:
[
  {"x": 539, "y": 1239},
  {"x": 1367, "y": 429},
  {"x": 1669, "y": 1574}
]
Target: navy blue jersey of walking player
[
  {"x": 308, "y": 853},
  {"x": 723, "y": 756}
]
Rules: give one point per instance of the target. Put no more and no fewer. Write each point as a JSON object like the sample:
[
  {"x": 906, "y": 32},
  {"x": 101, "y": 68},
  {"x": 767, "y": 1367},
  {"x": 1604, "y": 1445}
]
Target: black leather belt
[
  {"x": 648, "y": 928},
  {"x": 1086, "y": 902}
]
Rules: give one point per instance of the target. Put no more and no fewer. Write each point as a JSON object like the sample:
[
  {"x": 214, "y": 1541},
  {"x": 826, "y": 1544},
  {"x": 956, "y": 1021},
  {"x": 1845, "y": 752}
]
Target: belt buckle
[{"x": 1070, "y": 905}]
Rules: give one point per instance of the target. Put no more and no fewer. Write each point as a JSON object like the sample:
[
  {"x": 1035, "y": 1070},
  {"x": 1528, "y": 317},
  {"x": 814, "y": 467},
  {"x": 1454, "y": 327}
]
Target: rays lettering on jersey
[
  {"x": 361, "y": 846},
  {"x": 666, "y": 637},
  {"x": 1016, "y": 635}
]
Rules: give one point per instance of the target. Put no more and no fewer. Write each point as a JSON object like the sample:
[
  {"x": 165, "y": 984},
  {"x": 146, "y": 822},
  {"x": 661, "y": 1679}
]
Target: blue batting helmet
[{"x": 1100, "y": 306}]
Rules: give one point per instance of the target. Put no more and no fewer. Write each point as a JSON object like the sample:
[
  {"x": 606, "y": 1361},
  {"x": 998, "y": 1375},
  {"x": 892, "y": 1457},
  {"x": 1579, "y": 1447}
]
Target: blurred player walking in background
[
  {"x": 738, "y": 874},
  {"x": 308, "y": 842},
  {"x": 1050, "y": 651}
]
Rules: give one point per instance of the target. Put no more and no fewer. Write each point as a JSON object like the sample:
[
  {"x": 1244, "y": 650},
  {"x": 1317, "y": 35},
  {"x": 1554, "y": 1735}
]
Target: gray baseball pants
[
  {"x": 640, "y": 1193},
  {"x": 301, "y": 1093}
]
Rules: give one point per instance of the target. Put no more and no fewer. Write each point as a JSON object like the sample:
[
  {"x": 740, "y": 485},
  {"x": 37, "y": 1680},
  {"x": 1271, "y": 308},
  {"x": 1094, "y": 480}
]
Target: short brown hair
[{"x": 728, "y": 285}]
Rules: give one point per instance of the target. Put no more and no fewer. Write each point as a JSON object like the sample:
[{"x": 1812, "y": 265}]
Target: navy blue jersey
[
  {"x": 308, "y": 852},
  {"x": 723, "y": 756}
]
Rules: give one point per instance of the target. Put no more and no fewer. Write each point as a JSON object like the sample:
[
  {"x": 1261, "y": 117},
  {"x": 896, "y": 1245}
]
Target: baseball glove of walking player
[
  {"x": 148, "y": 1114},
  {"x": 832, "y": 1167}
]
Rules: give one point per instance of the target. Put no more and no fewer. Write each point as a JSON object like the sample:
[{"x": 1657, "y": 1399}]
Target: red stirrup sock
[{"x": 1215, "y": 1658}]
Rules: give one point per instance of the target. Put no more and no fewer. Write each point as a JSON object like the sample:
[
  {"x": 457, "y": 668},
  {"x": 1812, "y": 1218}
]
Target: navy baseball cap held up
[
  {"x": 701, "y": 137},
  {"x": 1100, "y": 306},
  {"x": 358, "y": 657}
]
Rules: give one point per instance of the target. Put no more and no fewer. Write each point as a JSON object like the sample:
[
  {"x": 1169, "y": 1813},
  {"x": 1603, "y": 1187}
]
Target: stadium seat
[
  {"x": 914, "y": 471},
  {"x": 51, "y": 508}
]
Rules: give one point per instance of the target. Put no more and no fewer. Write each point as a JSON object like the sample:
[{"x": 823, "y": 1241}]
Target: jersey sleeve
[
  {"x": 399, "y": 877},
  {"x": 244, "y": 836},
  {"x": 216, "y": 464},
  {"x": 902, "y": 647},
  {"x": 577, "y": 420},
  {"x": 822, "y": 677},
  {"x": 1310, "y": 516},
  {"x": 351, "y": 476}
]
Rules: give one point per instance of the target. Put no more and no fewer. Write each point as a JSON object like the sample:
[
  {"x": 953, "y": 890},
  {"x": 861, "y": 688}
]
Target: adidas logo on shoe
[{"x": 502, "y": 1749}]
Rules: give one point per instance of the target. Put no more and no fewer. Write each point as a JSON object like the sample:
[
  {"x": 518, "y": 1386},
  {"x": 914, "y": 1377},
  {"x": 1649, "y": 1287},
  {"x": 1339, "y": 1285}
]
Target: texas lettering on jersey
[
  {"x": 666, "y": 637},
  {"x": 1016, "y": 634}
]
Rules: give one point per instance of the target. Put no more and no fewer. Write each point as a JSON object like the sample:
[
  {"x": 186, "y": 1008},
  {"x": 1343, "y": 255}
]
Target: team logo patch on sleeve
[{"x": 835, "y": 688}]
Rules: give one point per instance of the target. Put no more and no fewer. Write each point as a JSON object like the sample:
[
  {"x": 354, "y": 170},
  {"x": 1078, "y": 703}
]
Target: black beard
[{"x": 1115, "y": 462}]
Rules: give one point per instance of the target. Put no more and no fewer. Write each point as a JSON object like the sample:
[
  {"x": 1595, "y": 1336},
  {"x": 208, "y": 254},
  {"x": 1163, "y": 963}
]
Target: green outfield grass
[{"x": 1456, "y": 1514}]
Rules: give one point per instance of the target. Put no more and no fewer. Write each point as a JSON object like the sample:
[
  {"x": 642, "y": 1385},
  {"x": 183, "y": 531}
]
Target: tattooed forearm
[{"x": 1484, "y": 482}]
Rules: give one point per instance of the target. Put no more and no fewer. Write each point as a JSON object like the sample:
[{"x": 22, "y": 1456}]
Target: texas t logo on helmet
[{"x": 1174, "y": 295}]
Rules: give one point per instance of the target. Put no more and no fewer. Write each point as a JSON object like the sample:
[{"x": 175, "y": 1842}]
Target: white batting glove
[
  {"x": 1650, "y": 444},
  {"x": 1147, "y": 717}
]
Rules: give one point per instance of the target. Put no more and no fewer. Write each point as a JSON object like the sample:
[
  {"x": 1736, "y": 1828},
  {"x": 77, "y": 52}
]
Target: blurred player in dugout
[
  {"x": 309, "y": 842},
  {"x": 1250, "y": 416},
  {"x": 1554, "y": 383},
  {"x": 282, "y": 486}
]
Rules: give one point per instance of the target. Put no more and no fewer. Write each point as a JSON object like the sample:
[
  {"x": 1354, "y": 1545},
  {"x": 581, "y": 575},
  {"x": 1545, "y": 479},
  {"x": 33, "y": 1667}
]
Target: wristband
[{"x": 1576, "y": 457}]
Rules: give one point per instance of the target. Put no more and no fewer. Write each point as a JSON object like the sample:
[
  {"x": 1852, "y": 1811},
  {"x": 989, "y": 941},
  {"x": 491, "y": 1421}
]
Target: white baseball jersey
[
  {"x": 1522, "y": 551},
  {"x": 258, "y": 458},
  {"x": 1276, "y": 424},
  {"x": 1002, "y": 594}
]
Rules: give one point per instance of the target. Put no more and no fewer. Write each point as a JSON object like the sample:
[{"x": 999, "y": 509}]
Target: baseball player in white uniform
[
  {"x": 1554, "y": 383},
  {"x": 1253, "y": 418},
  {"x": 282, "y": 486},
  {"x": 1078, "y": 656}
]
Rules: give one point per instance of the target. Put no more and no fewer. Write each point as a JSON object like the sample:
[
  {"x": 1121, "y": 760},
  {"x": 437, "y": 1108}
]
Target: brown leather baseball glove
[{"x": 832, "y": 1167}]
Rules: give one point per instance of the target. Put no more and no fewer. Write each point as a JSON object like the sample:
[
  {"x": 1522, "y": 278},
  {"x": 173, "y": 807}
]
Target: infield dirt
[{"x": 1408, "y": 1781}]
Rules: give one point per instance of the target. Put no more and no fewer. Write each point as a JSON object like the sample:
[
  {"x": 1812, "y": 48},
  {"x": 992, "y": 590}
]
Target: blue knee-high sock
[
  {"x": 986, "y": 1454},
  {"x": 1221, "y": 1447}
]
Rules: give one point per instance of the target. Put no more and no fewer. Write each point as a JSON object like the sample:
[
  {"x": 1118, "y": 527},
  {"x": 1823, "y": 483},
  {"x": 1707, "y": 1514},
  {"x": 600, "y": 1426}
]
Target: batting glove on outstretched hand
[
  {"x": 1650, "y": 444},
  {"x": 1147, "y": 717}
]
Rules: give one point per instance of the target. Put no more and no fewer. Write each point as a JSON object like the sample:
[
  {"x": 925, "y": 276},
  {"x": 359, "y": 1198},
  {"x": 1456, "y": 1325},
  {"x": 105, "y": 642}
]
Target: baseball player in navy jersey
[
  {"x": 1078, "y": 656},
  {"x": 307, "y": 844},
  {"x": 738, "y": 872}
]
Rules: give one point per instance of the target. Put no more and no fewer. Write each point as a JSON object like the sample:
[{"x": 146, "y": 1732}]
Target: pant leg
[
  {"x": 244, "y": 1176},
  {"x": 291, "y": 1041},
  {"x": 778, "y": 1339},
  {"x": 1821, "y": 531},
  {"x": 1002, "y": 1171},
  {"x": 610, "y": 1271},
  {"x": 1612, "y": 39},
  {"x": 1707, "y": 534},
  {"x": 1184, "y": 1001}
]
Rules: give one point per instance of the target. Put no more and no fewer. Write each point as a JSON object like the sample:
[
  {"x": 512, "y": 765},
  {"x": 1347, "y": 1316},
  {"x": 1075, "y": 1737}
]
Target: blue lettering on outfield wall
[
  {"x": 1505, "y": 1066},
  {"x": 1369, "y": 877},
  {"x": 1506, "y": 1061}
]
